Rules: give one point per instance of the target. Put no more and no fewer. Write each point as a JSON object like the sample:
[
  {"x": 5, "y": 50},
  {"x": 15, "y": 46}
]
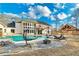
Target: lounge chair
[
  {"x": 60, "y": 38},
  {"x": 55, "y": 37},
  {"x": 2, "y": 43},
  {"x": 46, "y": 41}
]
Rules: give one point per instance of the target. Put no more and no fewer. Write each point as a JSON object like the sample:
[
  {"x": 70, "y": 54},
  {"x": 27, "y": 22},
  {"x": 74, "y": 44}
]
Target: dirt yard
[{"x": 70, "y": 49}]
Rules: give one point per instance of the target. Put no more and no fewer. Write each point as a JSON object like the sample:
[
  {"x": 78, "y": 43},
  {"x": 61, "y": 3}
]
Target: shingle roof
[
  {"x": 66, "y": 26},
  {"x": 36, "y": 21},
  {"x": 5, "y": 19}
]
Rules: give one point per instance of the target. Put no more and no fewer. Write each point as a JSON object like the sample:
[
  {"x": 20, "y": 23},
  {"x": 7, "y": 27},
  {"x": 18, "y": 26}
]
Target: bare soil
[{"x": 70, "y": 49}]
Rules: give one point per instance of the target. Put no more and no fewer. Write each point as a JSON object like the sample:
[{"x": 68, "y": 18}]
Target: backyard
[{"x": 67, "y": 47}]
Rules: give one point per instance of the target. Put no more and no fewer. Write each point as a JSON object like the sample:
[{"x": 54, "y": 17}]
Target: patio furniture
[
  {"x": 2, "y": 43},
  {"x": 61, "y": 37},
  {"x": 46, "y": 41},
  {"x": 29, "y": 45}
]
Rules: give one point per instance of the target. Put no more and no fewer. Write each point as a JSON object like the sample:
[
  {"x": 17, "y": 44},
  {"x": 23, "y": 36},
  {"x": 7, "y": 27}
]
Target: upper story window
[
  {"x": 23, "y": 23},
  {"x": 26, "y": 24},
  {"x": 30, "y": 24}
]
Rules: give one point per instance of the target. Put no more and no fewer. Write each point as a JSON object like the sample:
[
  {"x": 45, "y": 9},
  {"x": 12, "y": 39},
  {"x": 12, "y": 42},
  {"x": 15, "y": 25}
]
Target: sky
[{"x": 51, "y": 13}]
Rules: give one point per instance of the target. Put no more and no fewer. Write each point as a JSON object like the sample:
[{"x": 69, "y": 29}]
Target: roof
[
  {"x": 6, "y": 19},
  {"x": 44, "y": 23},
  {"x": 67, "y": 27},
  {"x": 29, "y": 20},
  {"x": 35, "y": 21}
]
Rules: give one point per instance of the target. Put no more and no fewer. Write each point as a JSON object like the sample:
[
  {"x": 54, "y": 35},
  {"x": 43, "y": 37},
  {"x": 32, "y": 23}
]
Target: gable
[
  {"x": 68, "y": 28},
  {"x": 2, "y": 25}
]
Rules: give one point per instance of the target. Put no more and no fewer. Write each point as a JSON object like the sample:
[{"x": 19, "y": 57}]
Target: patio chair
[
  {"x": 46, "y": 41},
  {"x": 55, "y": 37},
  {"x": 2, "y": 43},
  {"x": 60, "y": 38}
]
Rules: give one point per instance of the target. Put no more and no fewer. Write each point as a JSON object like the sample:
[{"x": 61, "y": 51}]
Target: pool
[{"x": 20, "y": 38}]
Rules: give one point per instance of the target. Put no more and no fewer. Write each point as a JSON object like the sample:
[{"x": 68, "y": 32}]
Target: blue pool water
[{"x": 20, "y": 38}]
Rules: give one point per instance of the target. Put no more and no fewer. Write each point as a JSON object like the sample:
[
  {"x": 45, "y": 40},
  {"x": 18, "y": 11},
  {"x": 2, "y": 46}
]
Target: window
[
  {"x": 27, "y": 31},
  {"x": 5, "y": 30},
  {"x": 24, "y": 31},
  {"x": 23, "y": 23},
  {"x": 12, "y": 31},
  {"x": 26, "y": 24},
  {"x": 32, "y": 31},
  {"x": 48, "y": 31},
  {"x": 24, "y": 27},
  {"x": 31, "y": 24},
  {"x": 39, "y": 31},
  {"x": 0, "y": 30}
]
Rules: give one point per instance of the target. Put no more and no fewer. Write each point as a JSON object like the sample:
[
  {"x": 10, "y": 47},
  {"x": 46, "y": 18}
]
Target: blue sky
[{"x": 46, "y": 12}]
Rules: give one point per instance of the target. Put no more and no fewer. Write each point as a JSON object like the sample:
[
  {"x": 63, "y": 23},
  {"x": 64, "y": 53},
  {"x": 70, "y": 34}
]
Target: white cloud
[
  {"x": 72, "y": 9},
  {"x": 30, "y": 4},
  {"x": 77, "y": 5},
  {"x": 61, "y": 21},
  {"x": 31, "y": 8},
  {"x": 69, "y": 15},
  {"x": 73, "y": 18},
  {"x": 63, "y": 6},
  {"x": 32, "y": 15},
  {"x": 44, "y": 10},
  {"x": 59, "y": 5},
  {"x": 38, "y": 11},
  {"x": 52, "y": 17},
  {"x": 55, "y": 10},
  {"x": 23, "y": 13},
  {"x": 70, "y": 22},
  {"x": 53, "y": 25},
  {"x": 11, "y": 14},
  {"x": 62, "y": 16}
]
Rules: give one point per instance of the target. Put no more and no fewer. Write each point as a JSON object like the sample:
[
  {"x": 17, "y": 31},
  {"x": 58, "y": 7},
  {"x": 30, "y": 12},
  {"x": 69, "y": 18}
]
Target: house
[
  {"x": 4, "y": 30},
  {"x": 33, "y": 27},
  {"x": 12, "y": 26},
  {"x": 68, "y": 29},
  {"x": 7, "y": 25}
]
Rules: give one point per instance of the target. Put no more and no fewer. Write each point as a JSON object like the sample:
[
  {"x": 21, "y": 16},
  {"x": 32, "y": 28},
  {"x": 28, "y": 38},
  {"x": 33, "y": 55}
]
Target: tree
[
  {"x": 56, "y": 21},
  {"x": 76, "y": 15},
  {"x": 24, "y": 37}
]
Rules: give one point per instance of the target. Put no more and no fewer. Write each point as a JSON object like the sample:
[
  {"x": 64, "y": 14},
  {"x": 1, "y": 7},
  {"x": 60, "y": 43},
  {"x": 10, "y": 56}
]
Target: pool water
[{"x": 20, "y": 38}]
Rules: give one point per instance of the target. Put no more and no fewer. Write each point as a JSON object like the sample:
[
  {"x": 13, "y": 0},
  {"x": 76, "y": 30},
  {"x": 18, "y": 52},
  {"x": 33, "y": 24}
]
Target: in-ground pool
[{"x": 20, "y": 38}]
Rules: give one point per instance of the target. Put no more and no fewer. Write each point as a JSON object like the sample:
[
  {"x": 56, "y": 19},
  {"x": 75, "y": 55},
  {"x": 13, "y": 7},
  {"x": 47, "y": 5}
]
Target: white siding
[
  {"x": 18, "y": 28},
  {"x": 8, "y": 32}
]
